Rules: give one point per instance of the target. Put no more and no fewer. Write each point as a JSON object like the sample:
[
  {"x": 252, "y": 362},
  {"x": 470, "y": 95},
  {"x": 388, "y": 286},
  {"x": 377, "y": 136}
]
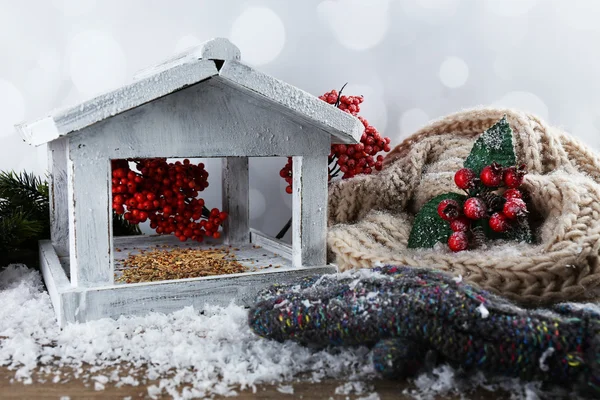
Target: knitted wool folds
[{"x": 370, "y": 216}]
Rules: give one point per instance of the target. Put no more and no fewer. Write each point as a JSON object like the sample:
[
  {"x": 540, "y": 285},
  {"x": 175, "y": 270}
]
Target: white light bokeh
[
  {"x": 411, "y": 121},
  {"x": 260, "y": 35},
  {"x": 579, "y": 14},
  {"x": 356, "y": 24},
  {"x": 96, "y": 62},
  {"x": 524, "y": 101},
  {"x": 430, "y": 11},
  {"x": 454, "y": 72},
  {"x": 510, "y": 8},
  {"x": 74, "y": 8},
  {"x": 12, "y": 107}
]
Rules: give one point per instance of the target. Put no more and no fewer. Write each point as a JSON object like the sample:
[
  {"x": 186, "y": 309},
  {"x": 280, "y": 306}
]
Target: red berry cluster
[
  {"x": 166, "y": 194},
  {"x": 354, "y": 159},
  {"x": 494, "y": 196}
]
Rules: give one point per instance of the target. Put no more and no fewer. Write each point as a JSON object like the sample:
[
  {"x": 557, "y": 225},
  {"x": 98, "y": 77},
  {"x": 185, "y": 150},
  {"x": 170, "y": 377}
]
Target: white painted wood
[
  {"x": 86, "y": 304},
  {"x": 214, "y": 49},
  {"x": 166, "y": 297},
  {"x": 236, "y": 199},
  {"x": 182, "y": 72},
  {"x": 54, "y": 276},
  {"x": 253, "y": 257},
  {"x": 343, "y": 127},
  {"x": 90, "y": 222},
  {"x": 59, "y": 215},
  {"x": 309, "y": 211},
  {"x": 270, "y": 243},
  {"x": 208, "y": 120},
  {"x": 105, "y": 106}
]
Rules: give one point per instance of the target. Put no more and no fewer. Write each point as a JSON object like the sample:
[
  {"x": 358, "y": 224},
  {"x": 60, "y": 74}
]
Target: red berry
[
  {"x": 464, "y": 178},
  {"x": 448, "y": 209},
  {"x": 458, "y": 241},
  {"x": 491, "y": 175},
  {"x": 288, "y": 189},
  {"x": 514, "y": 208},
  {"x": 499, "y": 222},
  {"x": 513, "y": 176},
  {"x": 512, "y": 194},
  {"x": 475, "y": 208},
  {"x": 460, "y": 224}
]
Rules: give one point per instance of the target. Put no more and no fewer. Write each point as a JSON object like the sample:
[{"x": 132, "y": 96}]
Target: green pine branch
[{"x": 25, "y": 215}]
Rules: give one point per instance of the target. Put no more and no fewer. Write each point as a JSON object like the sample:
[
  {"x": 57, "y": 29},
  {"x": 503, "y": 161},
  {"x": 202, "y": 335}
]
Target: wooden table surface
[{"x": 78, "y": 389}]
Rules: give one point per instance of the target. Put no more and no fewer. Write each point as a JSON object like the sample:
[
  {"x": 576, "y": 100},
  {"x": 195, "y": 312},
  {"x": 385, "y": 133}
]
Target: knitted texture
[
  {"x": 407, "y": 313},
  {"x": 370, "y": 217}
]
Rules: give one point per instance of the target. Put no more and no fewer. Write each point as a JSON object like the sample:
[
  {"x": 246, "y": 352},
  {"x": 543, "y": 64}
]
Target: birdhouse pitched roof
[{"x": 215, "y": 59}]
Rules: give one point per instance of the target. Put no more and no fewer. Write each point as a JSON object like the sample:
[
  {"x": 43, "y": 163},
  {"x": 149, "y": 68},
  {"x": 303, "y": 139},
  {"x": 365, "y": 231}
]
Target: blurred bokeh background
[{"x": 413, "y": 60}]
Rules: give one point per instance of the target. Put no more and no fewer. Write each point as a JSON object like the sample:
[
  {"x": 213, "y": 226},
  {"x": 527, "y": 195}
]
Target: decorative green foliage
[
  {"x": 520, "y": 233},
  {"x": 494, "y": 145},
  {"x": 429, "y": 228},
  {"x": 25, "y": 217},
  {"x": 122, "y": 227}
]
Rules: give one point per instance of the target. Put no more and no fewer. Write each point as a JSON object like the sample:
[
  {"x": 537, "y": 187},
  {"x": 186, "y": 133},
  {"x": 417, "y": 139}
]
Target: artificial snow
[
  {"x": 287, "y": 389},
  {"x": 483, "y": 311},
  {"x": 186, "y": 354}
]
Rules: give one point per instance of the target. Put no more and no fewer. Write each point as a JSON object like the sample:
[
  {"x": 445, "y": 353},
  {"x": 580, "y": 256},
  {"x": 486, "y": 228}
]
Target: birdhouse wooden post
[{"x": 203, "y": 103}]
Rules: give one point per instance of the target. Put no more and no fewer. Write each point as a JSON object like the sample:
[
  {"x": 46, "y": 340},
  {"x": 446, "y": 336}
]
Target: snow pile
[{"x": 186, "y": 354}]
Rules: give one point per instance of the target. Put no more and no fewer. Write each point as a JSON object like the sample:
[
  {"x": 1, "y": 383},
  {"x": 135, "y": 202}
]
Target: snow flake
[{"x": 483, "y": 311}]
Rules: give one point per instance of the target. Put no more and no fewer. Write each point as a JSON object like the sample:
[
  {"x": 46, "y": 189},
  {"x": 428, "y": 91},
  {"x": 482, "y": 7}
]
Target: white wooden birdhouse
[{"x": 203, "y": 103}]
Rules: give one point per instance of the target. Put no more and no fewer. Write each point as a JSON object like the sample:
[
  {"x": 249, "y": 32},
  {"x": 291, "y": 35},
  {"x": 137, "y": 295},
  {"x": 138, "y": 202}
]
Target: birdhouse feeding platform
[{"x": 203, "y": 103}]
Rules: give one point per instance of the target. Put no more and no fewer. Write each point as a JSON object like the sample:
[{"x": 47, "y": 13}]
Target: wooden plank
[
  {"x": 59, "y": 221},
  {"x": 169, "y": 296},
  {"x": 90, "y": 223},
  {"x": 309, "y": 211},
  {"x": 236, "y": 199},
  {"x": 54, "y": 277},
  {"x": 305, "y": 389},
  {"x": 344, "y": 127},
  {"x": 208, "y": 120},
  {"x": 62, "y": 122},
  {"x": 254, "y": 258},
  {"x": 270, "y": 243},
  {"x": 214, "y": 49}
]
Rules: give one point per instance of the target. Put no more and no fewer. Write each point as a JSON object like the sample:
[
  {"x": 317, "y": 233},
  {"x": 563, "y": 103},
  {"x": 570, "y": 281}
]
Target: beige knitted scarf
[{"x": 370, "y": 216}]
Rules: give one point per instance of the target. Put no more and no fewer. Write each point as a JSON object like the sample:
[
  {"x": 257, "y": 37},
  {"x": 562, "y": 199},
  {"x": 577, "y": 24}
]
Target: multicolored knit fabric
[{"x": 412, "y": 316}]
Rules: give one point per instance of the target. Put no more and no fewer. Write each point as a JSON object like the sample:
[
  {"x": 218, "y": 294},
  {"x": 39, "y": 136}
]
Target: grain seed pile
[{"x": 178, "y": 263}]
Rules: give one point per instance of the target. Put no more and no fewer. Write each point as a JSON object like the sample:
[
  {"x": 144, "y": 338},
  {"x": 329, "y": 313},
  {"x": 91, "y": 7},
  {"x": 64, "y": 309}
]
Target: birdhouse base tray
[{"x": 265, "y": 260}]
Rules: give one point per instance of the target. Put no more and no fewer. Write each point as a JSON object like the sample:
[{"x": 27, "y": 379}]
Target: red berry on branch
[
  {"x": 475, "y": 208},
  {"x": 512, "y": 194},
  {"x": 513, "y": 176},
  {"x": 499, "y": 222},
  {"x": 491, "y": 175},
  {"x": 461, "y": 224},
  {"x": 448, "y": 209},
  {"x": 464, "y": 178},
  {"x": 515, "y": 208},
  {"x": 458, "y": 241}
]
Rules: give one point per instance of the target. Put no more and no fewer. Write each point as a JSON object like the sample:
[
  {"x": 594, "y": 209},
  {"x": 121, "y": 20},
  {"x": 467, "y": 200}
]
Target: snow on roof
[{"x": 215, "y": 59}]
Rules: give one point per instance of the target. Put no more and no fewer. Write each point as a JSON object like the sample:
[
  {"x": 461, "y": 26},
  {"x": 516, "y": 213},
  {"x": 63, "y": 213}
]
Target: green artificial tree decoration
[
  {"x": 494, "y": 145},
  {"x": 493, "y": 148},
  {"x": 429, "y": 228},
  {"x": 25, "y": 217}
]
